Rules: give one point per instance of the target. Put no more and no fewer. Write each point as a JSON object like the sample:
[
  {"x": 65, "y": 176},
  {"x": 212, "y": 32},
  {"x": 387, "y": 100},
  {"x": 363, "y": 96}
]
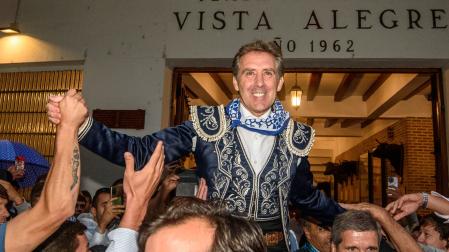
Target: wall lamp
[
  {"x": 13, "y": 27},
  {"x": 296, "y": 93}
]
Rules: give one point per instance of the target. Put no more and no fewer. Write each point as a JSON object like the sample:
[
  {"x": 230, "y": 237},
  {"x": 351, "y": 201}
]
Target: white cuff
[
  {"x": 123, "y": 239},
  {"x": 84, "y": 128}
]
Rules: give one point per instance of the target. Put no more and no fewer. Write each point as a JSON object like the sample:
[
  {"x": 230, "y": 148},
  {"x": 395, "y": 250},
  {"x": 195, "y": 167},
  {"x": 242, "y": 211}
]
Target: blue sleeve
[
  {"x": 111, "y": 145},
  {"x": 2, "y": 236},
  {"x": 309, "y": 200}
]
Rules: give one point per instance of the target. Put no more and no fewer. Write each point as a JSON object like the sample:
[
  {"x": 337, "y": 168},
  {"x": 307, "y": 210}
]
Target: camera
[{"x": 188, "y": 184}]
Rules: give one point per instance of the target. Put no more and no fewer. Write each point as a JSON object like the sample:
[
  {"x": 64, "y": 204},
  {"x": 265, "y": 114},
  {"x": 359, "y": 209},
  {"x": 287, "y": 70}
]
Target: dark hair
[
  {"x": 359, "y": 221},
  {"x": 36, "y": 192},
  {"x": 232, "y": 233},
  {"x": 260, "y": 46},
  {"x": 64, "y": 239},
  {"x": 87, "y": 196},
  {"x": 97, "y": 193},
  {"x": 439, "y": 225},
  {"x": 118, "y": 182},
  {"x": 3, "y": 193}
]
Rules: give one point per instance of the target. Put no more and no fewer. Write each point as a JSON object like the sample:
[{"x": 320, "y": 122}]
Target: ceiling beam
[
  {"x": 314, "y": 84},
  {"x": 402, "y": 91},
  {"x": 376, "y": 84},
  {"x": 200, "y": 90},
  {"x": 346, "y": 123},
  {"x": 329, "y": 122},
  {"x": 418, "y": 90},
  {"x": 221, "y": 84},
  {"x": 347, "y": 86}
]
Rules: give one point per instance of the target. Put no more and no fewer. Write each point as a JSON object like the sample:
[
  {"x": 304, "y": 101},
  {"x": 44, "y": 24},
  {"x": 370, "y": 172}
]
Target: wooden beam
[
  {"x": 314, "y": 84},
  {"x": 408, "y": 88},
  {"x": 190, "y": 93},
  {"x": 200, "y": 90},
  {"x": 310, "y": 121},
  {"x": 418, "y": 90},
  {"x": 376, "y": 84},
  {"x": 221, "y": 84},
  {"x": 346, "y": 123},
  {"x": 329, "y": 122},
  {"x": 347, "y": 86}
]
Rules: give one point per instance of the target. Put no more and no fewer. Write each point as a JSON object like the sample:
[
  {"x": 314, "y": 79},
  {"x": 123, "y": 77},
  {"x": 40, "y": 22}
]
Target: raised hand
[
  {"x": 72, "y": 108},
  {"x": 53, "y": 111},
  {"x": 405, "y": 205},
  {"x": 140, "y": 185}
]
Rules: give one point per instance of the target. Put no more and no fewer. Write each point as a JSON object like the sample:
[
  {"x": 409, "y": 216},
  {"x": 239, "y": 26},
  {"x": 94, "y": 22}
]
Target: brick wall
[{"x": 416, "y": 134}]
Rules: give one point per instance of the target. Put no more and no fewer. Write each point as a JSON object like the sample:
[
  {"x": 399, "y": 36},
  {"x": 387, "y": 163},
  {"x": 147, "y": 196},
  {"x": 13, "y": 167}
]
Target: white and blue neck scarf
[{"x": 272, "y": 125}]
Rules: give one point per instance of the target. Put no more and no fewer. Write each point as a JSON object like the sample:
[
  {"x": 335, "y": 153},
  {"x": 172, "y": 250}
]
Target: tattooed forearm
[{"x": 75, "y": 165}]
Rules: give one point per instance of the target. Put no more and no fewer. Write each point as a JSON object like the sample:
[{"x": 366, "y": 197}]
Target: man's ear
[
  {"x": 280, "y": 83},
  {"x": 333, "y": 248},
  {"x": 235, "y": 83},
  {"x": 307, "y": 233}
]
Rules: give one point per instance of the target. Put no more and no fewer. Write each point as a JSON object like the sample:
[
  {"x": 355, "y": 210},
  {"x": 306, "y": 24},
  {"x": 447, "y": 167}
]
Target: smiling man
[{"x": 251, "y": 154}]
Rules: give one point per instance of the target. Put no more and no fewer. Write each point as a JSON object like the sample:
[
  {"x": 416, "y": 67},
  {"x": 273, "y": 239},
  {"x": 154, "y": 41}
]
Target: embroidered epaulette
[
  {"x": 300, "y": 138},
  {"x": 209, "y": 122}
]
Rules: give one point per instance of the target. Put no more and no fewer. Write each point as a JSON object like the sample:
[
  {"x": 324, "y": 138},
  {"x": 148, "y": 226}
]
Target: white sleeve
[{"x": 123, "y": 239}]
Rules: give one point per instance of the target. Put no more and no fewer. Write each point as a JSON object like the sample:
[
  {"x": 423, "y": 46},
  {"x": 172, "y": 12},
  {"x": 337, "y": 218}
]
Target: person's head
[
  {"x": 258, "y": 72},
  {"x": 36, "y": 192},
  {"x": 355, "y": 231},
  {"x": 4, "y": 214},
  {"x": 69, "y": 237},
  {"x": 81, "y": 203},
  {"x": 100, "y": 201},
  {"x": 434, "y": 232},
  {"x": 191, "y": 224},
  {"x": 318, "y": 236},
  {"x": 88, "y": 198}
]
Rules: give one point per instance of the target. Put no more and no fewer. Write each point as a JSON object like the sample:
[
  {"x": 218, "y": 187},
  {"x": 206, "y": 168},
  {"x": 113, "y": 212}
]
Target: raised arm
[
  {"x": 112, "y": 145},
  {"x": 138, "y": 186},
  {"x": 311, "y": 201},
  {"x": 409, "y": 203},
  {"x": 58, "y": 198}
]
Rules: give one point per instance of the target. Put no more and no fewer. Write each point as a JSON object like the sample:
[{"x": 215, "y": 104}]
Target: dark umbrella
[{"x": 35, "y": 163}]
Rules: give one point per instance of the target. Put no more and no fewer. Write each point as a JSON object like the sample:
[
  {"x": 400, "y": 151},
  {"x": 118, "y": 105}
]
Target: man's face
[
  {"x": 102, "y": 202},
  {"x": 430, "y": 236},
  {"x": 257, "y": 81},
  {"x": 319, "y": 237},
  {"x": 83, "y": 243},
  {"x": 80, "y": 206},
  {"x": 357, "y": 241},
  {"x": 4, "y": 214},
  {"x": 193, "y": 235}
]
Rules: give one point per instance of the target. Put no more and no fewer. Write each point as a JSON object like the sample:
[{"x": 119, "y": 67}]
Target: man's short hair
[
  {"x": 97, "y": 194},
  {"x": 3, "y": 193},
  {"x": 231, "y": 233},
  {"x": 437, "y": 222},
  {"x": 353, "y": 220},
  {"x": 64, "y": 239},
  {"x": 259, "y": 46}
]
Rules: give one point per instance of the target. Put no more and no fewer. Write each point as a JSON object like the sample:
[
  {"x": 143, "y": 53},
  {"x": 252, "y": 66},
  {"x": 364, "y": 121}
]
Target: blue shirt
[{"x": 2, "y": 237}]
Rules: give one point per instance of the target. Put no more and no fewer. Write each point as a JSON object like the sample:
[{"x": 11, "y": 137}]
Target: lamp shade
[{"x": 295, "y": 95}]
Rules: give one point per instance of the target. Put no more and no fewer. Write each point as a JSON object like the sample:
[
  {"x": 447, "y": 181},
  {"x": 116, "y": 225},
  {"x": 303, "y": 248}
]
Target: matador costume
[{"x": 211, "y": 135}]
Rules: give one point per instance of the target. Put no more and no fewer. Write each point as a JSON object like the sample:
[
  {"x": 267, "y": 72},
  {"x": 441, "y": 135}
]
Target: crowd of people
[{"x": 255, "y": 189}]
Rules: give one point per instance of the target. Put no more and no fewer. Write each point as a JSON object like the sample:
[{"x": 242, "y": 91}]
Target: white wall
[{"x": 124, "y": 47}]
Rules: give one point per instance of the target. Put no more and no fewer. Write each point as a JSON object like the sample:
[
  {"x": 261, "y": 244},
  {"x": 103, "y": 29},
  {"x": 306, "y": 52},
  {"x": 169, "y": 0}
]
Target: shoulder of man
[
  {"x": 299, "y": 137},
  {"x": 210, "y": 122}
]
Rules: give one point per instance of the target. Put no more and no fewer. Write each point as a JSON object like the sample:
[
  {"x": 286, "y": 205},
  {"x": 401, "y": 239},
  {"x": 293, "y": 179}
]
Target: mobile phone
[
  {"x": 20, "y": 164},
  {"x": 117, "y": 194},
  {"x": 188, "y": 184}
]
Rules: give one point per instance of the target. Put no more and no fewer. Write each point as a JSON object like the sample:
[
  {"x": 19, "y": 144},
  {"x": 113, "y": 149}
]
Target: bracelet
[{"x": 425, "y": 199}]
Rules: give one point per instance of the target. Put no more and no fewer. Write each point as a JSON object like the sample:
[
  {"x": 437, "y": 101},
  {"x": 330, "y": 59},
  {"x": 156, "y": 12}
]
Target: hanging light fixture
[
  {"x": 296, "y": 93},
  {"x": 13, "y": 27}
]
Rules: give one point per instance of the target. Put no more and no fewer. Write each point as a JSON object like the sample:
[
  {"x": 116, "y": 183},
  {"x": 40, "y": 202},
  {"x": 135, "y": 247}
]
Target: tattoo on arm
[{"x": 75, "y": 165}]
